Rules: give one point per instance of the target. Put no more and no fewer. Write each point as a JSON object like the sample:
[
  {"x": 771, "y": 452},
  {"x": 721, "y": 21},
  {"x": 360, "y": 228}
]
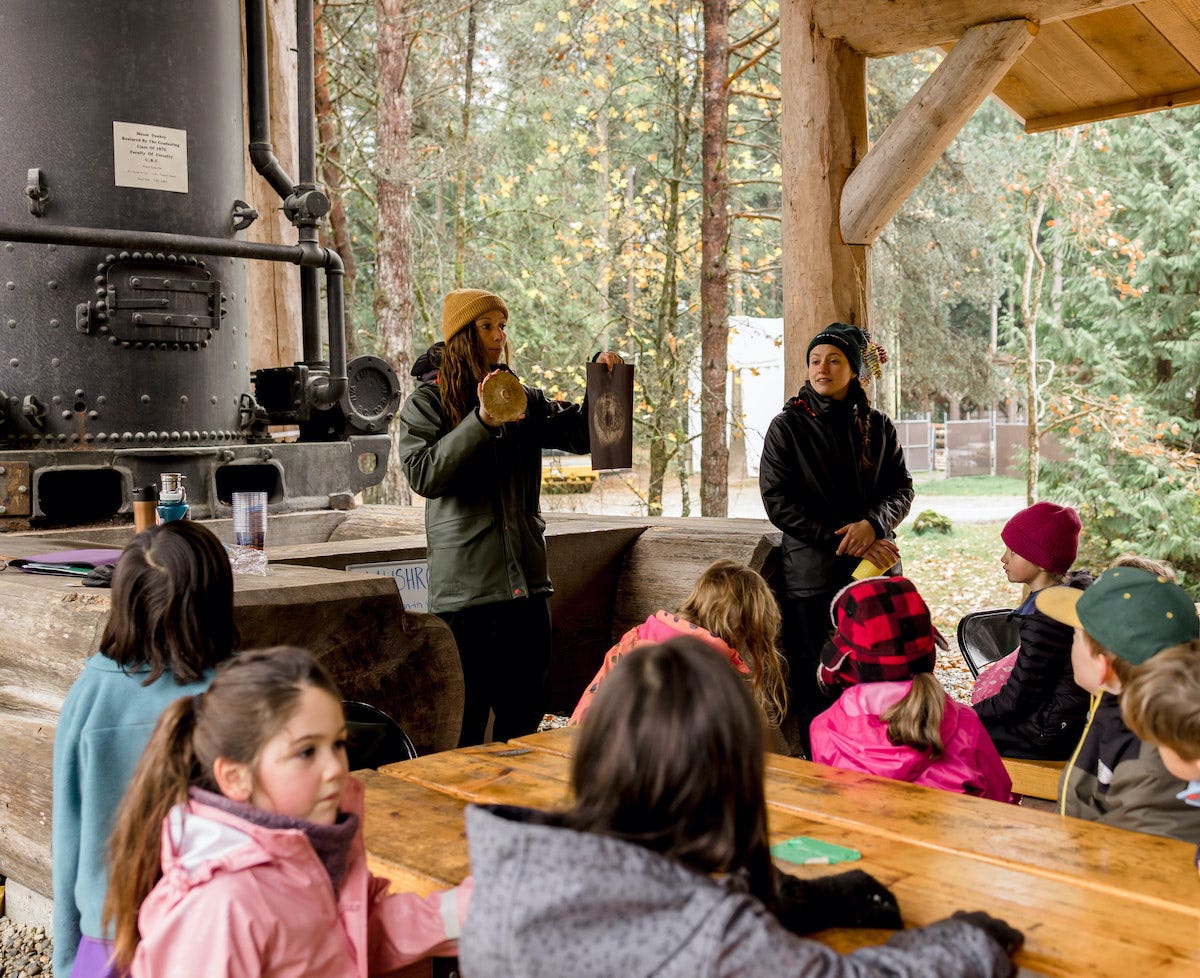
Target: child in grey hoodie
[{"x": 662, "y": 866}]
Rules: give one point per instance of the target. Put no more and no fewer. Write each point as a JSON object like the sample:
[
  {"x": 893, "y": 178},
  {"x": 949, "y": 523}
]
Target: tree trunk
[
  {"x": 460, "y": 178},
  {"x": 714, "y": 273},
  {"x": 327, "y": 132},
  {"x": 394, "y": 301}
]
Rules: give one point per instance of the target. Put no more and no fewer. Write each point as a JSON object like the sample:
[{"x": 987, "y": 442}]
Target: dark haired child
[
  {"x": 893, "y": 718},
  {"x": 1038, "y": 711},
  {"x": 171, "y": 622},
  {"x": 1161, "y": 705},
  {"x": 481, "y": 479},
  {"x": 238, "y": 849},
  {"x": 661, "y": 867},
  {"x": 1122, "y": 623}
]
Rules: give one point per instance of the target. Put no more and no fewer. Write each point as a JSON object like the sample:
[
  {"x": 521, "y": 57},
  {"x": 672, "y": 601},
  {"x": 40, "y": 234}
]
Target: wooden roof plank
[
  {"x": 1029, "y": 91},
  {"x": 1075, "y": 69},
  {"x": 1136, "y": 51},
  {"x": 1179, "y": 22},
  {"x": 1099, "y": 113}
]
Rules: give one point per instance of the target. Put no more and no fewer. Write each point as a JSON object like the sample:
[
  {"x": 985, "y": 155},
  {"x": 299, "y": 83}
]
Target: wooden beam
[
  {"x": 824, "y": 127},
  {"x": 878, "y": 28},
  {"x": 927, "y": 125},
  {"x": 1119, "y": 110}
]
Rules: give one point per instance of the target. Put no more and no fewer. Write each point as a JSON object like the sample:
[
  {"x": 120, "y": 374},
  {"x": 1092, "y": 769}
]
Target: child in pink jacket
[
  {"x": 733, "y": 611},
  {"x": 893, "y": 718},
  {"x": 238, "y": 848}
]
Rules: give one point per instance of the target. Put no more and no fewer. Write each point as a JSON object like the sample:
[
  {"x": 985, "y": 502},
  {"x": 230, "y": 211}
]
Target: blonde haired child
[
  {"x": 1161, "y": 705},
  {"x": 893, "y": 718},
  {"x": 732, "y": 610},
  {"x": 238, "y": 848}
]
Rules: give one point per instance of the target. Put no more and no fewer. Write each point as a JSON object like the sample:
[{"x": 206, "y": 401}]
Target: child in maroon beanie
[{"x": 1039, "y": 710}]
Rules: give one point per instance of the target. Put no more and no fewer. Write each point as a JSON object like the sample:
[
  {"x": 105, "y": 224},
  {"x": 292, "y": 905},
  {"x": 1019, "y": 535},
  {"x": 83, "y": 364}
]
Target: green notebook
[{"x": 806, "y": 851}]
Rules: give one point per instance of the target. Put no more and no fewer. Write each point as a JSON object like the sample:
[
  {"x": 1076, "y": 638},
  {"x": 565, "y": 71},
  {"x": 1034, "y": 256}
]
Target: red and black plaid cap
[{"x": 882, "y": 632}]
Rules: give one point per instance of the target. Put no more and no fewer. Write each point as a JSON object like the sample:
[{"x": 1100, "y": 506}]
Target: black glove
[
  {"x": 1007, "y": 937},
  {"x": 853, "y": 899}
]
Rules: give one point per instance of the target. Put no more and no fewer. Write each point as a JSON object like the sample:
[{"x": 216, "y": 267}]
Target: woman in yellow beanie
[{"x": 485, "y": 536}]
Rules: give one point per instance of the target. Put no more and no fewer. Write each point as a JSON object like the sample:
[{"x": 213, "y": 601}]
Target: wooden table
[{"x": 1092, "y": 900}]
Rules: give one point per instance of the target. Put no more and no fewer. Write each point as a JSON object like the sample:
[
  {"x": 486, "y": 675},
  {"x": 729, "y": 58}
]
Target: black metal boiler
[{"x": 124, "y": 334}]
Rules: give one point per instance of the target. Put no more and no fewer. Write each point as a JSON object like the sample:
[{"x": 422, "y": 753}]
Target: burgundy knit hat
[
  {"x": 883, "y": 633},
  {"x": 1046, "y": 535}
]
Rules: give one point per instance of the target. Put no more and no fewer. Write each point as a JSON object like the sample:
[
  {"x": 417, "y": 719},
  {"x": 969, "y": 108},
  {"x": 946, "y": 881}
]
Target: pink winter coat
[
  {"x": 237, "y": 899},
  {"x": 851, "y": 735},
  {"x": 659, "y": 627}
]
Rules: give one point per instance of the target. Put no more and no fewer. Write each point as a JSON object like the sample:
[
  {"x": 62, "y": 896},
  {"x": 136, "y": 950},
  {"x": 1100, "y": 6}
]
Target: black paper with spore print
[{"x": 610, "y": 415}]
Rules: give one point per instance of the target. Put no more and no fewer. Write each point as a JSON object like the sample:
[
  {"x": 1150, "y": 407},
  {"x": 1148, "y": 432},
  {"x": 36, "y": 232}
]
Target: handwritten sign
[
  {"x": 411, "y": 577},
  {"x": 150, "y": 157}
]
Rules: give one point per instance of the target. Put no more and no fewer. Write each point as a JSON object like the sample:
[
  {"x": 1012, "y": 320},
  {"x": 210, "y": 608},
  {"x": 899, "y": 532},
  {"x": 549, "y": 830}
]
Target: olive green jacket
[{"x": 482, "y": 486}]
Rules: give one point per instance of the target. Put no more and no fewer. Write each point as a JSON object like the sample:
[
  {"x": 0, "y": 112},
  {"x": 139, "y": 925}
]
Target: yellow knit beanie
[{"x": 462, "y": 307}]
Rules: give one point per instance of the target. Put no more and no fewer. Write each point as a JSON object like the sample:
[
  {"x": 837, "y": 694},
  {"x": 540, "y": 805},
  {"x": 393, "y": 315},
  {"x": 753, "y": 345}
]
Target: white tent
[{"x": 755, "y": 380}]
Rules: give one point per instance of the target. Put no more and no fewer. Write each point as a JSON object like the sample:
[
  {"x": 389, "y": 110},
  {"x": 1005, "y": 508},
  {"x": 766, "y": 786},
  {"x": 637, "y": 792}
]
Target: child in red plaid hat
[{"x": 893, "y": 718}]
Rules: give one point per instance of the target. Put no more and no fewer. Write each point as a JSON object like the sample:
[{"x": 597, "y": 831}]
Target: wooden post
[
  {"x": 824, "y": 136},
  {"x": 273, "y": 288}
]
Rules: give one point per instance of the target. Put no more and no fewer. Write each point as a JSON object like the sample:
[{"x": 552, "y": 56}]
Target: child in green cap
[{"x": 1123, "y": 620}]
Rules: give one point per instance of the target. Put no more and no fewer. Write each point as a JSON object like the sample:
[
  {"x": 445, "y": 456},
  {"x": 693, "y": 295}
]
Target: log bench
[
  {"x": 937, "y": 851},
  {"x": 1036, "y": 779}
]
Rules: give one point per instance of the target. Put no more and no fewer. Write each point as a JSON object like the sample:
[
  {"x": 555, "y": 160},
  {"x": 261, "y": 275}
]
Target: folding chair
[
  {"x": 985, "y": 636},
  {"x": 375, "y": 738}
]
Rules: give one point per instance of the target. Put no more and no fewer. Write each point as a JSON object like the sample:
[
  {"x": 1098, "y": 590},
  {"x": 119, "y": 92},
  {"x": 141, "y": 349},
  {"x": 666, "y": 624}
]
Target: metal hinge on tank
[{"x": 153, "y": 301}]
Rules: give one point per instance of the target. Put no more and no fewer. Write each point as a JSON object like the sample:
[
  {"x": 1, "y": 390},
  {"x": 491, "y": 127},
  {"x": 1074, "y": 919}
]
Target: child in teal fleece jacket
[{"x": 171, "y": 623}]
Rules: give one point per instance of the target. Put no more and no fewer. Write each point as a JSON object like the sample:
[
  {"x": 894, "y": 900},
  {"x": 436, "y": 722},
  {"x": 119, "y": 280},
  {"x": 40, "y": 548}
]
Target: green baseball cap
[{"x": 1131, "y": 612}]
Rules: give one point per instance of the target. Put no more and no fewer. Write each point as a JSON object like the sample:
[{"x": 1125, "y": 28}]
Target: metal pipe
[
  {"x": 159, "y": 241},
  {"x": 310, "y": 318},
  {"x": 330, "y": 392},
  {"x": 258, "y": 98},
  {"x": 307, "y": 255},
  {"x": 306, "y": 97}
]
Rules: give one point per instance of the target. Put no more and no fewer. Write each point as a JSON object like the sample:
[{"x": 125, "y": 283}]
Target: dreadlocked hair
[
  {"x": 857, "y": 396},
  {"x": 464, "y": 365}
]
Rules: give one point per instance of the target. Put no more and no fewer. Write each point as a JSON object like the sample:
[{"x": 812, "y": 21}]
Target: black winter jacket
[
  {"x": 1041, "y": 702},
  {"x": 812, "y": 484}
]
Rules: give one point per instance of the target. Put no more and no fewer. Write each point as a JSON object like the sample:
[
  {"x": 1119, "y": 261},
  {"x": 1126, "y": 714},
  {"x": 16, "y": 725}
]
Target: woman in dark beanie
[
  {"x": 481, "y": 479},
  {"x": 833, "y": 479}
]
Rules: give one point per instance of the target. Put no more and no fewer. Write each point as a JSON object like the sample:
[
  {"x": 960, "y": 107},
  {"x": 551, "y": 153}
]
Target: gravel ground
[{"x": 24, "y": 951}]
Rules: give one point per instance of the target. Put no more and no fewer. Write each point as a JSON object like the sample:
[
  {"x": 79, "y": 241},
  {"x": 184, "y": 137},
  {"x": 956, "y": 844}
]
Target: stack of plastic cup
[{"x": 250, "y": 519}]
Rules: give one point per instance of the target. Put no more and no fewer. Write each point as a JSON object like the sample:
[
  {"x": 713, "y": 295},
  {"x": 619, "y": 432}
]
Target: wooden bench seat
[{"x": 1036, "y": 779}]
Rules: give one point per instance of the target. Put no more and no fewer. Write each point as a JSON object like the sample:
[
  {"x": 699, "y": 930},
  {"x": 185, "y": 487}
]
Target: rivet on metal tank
[
  {"x": 12, "y": 324},
  {"x": 140, "y": 436},
  {"x": 66, "y": 415},
  {"x": 54, "y": 324},
  {"x": 54, "y": 361},
  {"x": 183, "y": 399},
  {"x": 52, "y": 284},
  {"x": 94, "y": 415},
  {"x": 144, "y": 399}
]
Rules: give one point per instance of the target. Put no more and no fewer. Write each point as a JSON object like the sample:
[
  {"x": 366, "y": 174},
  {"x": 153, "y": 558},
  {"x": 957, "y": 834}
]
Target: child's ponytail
[
  {"x": 916, "y": 720},
  {"x": 161, "y": 781}
]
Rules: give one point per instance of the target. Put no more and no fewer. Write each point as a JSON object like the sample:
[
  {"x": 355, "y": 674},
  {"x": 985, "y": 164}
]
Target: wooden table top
[{"x": 1092, "y": 900}]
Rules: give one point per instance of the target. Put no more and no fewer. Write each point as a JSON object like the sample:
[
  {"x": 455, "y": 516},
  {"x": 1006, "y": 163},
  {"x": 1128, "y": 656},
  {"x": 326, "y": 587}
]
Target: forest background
[{"x": 553, "y": 151}]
